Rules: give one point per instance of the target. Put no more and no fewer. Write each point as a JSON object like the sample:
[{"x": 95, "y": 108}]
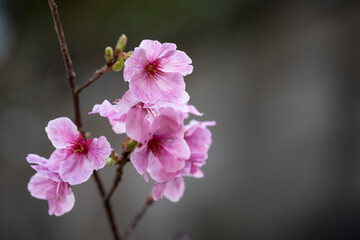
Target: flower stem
[{"x": 138, "y": 216}]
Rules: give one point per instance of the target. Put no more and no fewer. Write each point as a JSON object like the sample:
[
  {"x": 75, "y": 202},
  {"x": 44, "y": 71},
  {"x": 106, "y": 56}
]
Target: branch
[
  {"x": 119, "y": 172},
  {"x": 138, "y": 216},
  {"x": 75, "y": 96},
  {"x": 63, "y": 46},
  {"x": 99, "y": 73}
]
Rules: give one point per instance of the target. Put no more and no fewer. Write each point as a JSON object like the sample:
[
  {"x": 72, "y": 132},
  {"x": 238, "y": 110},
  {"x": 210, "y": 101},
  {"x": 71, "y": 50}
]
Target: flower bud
[
  {"x": 129, "y": 144},
  {"x": 121, "y": 44},
  {"x": 126, "y": 55},
  {"x": 108, "y": 54},
  {"x": 119, "y": 65}
]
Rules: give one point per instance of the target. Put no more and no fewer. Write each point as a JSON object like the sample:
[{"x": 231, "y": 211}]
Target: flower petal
[
  {"x": 176, "y": 61},
  {"x": 178, "y": 148},
  {"x": 169, "y": 162},
  {"x": 155, "y": 50},
  {"x": 137, "y": 124},
  {"x": 135, "y": 63},
  {"x": 175, "y": 189},
  {"x": 98, "y": 151},
  {"x": 64, "y": 201},
  {"x": 105, "y": 109},
  {"x": 34, "y": 158},
  {"x": 139, "y": 159},
  {"x": 75, "y": 169},
  {"x": 158, "y": 190},
  {"x": 40, "y": 185},
  {"x": 62, "y": 132}
]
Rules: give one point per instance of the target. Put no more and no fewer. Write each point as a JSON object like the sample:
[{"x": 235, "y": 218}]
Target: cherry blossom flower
[
  {"x": 165, "y": 146},
  {"x": 48, "y": 185},
  {"x": 156, "y": 72},
  {"x": 74, "y": 158},
  {"x": 134, "y": 117},
  {"x": 198, "y": 138}
]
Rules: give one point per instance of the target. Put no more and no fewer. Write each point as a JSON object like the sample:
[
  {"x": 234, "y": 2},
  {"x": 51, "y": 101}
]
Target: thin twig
[
  {"x": 75, "y": 96},
  {"x": 138, "y": 216},
  {"x": 99, "y": 184},
  {"x": 119, "y": 172},
  {"x": 99, "y": 73}
]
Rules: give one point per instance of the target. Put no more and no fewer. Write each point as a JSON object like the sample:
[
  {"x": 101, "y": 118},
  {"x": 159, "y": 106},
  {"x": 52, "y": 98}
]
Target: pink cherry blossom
[
  {"x": 74, "y": 158},
  {"x": 156, "y": 71},
  {"x": 48, "y": 185},
  {"x": 173, "y": 189},
  {"x": 165, "y": 146},
  {"x": 134, "y": 117},
  {"x": 198, "y": 137}
]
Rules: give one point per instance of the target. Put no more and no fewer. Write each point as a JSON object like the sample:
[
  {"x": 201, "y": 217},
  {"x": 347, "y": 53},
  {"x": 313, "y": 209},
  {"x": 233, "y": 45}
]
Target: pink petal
[
  {"x": 175, "y": 189},
  {"x": 134, "y": 64},
  {"x": 75, "y": 169},
  {"x": 166, "y": 123},
  {"x": 98, "y": 151},
  {"x": 62, "y": 132},
  {"x": 137, "y": 125},
  {"x": 105, "y": 109},
  {"x": 127, "y": 101},
  {"x": 171, "y": 86},
  {"x": 193, "y": 110},
  {"x": 198, "y": 136},
  {"x": 196, "y": 172},
  {"x": 176, "y": 61},
  {"x": 155, "y": 50},
  {"x": 56, "y": 158},
  {"x": 167, "y": 88},
  {"x": 64, "y": 201},
  {"x": 178, "y": 148},
  {"x": 118, "y": 127},
  {"x": 40, "y": 185},
  {"x": 34, "y": 158},
  {"x": 158, "y": 173},
  {"x": 139, "y": 159},
  {"x": 158, "y": 190},
  {"x": 169, "y": 162}
]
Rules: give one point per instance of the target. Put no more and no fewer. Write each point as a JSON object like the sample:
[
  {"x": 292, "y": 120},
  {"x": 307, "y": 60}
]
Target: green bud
[
  {"x": 108, "y": 54},
  {"x": 121, "y": 44},
  {"x": 110, "y": 161},
  {"x": 131, "y": 145},
  {"x": 119, "y": 65},
  {"x": 127, "y": 55}
]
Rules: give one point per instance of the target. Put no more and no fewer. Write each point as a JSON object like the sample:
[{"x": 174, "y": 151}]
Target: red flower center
[
  {"x": 153, "y": 70},
  {"x": 155, "y": 146},
  {"x": 80, "y": 147}
]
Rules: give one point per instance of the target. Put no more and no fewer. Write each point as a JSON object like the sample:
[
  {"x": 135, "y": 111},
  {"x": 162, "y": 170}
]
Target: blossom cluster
[
  {"x": 152, "y": 112},
  {"x": 72, "y": 163}
]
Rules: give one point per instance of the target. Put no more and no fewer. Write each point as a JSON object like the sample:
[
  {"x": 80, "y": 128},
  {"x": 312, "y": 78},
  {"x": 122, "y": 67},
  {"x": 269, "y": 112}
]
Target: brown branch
[
  {"x": 99, "y": 184},
  {"x": 75, "y": 97},
  {"x": 99, "y": 73},
  {"x": 119, "y": 172},
  {"x": 138, "y": 216}
]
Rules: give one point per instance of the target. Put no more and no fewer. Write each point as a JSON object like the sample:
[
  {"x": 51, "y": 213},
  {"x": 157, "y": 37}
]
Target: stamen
[
  {"x": 153, "y": 70},
  {"x": 155, "y": 147}
]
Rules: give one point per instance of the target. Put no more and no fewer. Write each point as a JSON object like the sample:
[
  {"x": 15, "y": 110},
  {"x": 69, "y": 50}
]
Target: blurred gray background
[{"x": 281, "y": 78}]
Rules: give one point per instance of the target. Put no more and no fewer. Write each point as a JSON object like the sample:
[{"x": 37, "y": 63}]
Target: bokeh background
[{"x": 281, "y": 78}]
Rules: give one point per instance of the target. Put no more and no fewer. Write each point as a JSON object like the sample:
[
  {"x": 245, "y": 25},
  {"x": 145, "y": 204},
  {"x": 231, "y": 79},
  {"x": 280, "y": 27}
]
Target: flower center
[
  {"x": 155, "y": 146},
  {"x": 79, "y": 147},
  {"x": 153, "y": 70}
]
